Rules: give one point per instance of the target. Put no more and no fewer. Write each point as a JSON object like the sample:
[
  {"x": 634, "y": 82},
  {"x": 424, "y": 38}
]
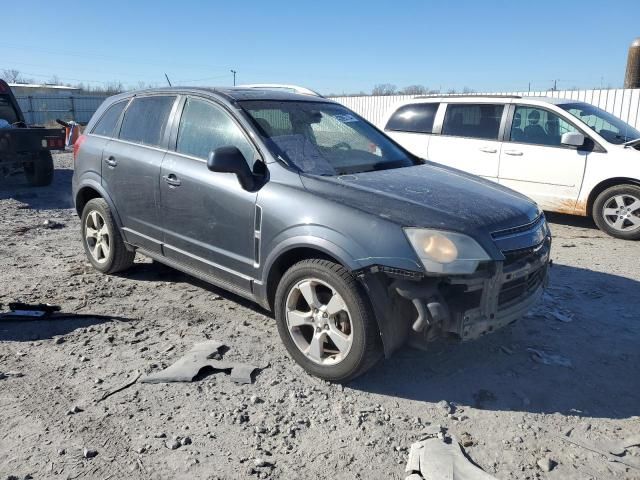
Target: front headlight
[{"x": 446, "y": 252}]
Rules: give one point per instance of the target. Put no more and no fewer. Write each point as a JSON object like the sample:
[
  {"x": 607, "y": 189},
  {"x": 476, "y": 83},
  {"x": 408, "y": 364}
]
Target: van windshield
[
  {"x": 608, "y": 126},
  {"x": 323, "y": 138}
]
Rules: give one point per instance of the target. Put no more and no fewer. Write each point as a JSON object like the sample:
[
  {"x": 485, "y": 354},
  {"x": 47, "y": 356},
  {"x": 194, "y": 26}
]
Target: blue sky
[{"x": 330, "y": 46}]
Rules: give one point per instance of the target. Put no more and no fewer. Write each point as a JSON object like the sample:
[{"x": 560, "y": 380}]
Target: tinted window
[
  {"x": 146, "y": 119},
  {"x": 538, "y": 126},
  {"x": 7, "y": 112},
  {"x": 475, "y": 121},
  {"x": 413, "y": 118},
  {"x": 107, "y": 124},
  {"x": 609, "y": 126},
  {"x": 205, "y": 127}
]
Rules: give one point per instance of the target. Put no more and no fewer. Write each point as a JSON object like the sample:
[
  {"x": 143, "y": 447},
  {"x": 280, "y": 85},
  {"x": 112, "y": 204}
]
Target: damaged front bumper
[{"x": 464, "y": 307}]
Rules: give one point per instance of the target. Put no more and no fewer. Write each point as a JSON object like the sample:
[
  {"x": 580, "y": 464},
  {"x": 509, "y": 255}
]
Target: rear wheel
[
  {"x": 325, "y": 321},
  {"x": 39, "y": 173},
  {"x": 101, "y": 238},
  {"x": 616, "y": 211}
]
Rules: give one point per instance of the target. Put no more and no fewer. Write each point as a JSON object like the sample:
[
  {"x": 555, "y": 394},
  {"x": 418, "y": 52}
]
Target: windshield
[
  {"x": 7, "y": 112},
  {"x": 608, "y": 126},
  {"x": 323, "y": 138}
]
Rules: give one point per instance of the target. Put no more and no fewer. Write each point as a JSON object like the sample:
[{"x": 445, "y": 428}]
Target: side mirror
[
  {"x": 231, "y": 160},
  {"x": 573, "y": 139}
]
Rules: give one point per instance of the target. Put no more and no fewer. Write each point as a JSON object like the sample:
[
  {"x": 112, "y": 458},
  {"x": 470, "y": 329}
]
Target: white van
[{"x": 569, "y": 156}]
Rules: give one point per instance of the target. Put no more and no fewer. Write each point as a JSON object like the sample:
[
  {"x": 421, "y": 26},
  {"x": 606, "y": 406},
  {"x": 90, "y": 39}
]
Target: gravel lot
[{"x": 511, "y": 409}]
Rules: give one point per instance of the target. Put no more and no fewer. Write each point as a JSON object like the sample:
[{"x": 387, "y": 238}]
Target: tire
[
  {"x": 354, "y": 325},
  {"x": 40, "y": 172},
  {"x": 622, "y": 203},
  {"x": 111, "y": 255}
]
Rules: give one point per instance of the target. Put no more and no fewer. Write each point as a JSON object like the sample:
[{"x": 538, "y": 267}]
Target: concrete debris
[
  {"x": 438, "y": 459},
  {"x": 4, "y": 375},
  {"x": 187, "y": 368},
  {"x": 89, "y": 453},
  {"x": 546, "y": 358},
  {"x": 629, "y": 461},
  {"x": 546, "y": 464},
  {"x": 619, "y": 447}
]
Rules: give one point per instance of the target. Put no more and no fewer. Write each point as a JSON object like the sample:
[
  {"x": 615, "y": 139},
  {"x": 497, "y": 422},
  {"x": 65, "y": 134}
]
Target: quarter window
[
  {"x": 473, "y": 120},
  {"x": 538, "y": 126},
  {"x": 107, "y": 124},
  {"x": 145, "y": 120},
  {"x": 205, "y": 127},
  {"x": 417, "y": 118}
]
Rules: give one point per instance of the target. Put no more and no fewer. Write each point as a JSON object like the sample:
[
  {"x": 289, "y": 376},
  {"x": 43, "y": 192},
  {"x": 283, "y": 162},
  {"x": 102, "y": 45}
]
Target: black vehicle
[{"x": 25, "y": 146}]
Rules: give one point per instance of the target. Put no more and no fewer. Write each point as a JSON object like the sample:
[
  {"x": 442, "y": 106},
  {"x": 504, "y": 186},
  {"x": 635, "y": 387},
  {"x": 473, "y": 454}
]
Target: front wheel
[
  {"x": 325, "y": 321},
  {"x": 616, "y": 211}
]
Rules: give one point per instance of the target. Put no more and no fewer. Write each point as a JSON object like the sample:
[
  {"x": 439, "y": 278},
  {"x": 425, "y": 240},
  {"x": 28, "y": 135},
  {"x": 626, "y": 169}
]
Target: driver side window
[
  {"x": 205, "y": 127},
  {"x": 538, "y": 126}
]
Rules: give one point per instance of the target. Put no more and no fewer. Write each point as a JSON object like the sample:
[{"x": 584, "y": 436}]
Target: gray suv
[{"x": 302, "y": 206}]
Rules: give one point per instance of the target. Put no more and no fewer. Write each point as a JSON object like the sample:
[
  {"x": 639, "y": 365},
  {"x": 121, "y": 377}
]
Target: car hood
[{"x": 431, "y": 196}]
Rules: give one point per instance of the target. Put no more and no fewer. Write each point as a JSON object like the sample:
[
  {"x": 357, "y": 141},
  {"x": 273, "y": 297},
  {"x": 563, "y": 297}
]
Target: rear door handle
[
  {"x": 172, "y": 180},
  {"x": 514, "y": 153},
  {"x": 111, "y": 161},
  {"x": 488, "y": 150}
]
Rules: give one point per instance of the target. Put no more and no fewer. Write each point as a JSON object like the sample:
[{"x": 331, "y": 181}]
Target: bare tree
[
  {"x": 468, "y": 90},
  {"x": 11, "y": 76},
  {"x": 384, "y": 89},
  {"x": 414, "y": 90}
]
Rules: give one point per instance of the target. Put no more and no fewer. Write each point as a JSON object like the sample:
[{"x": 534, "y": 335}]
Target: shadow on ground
[
  {"x": 571, "y": 220},
  {"x": 498, "y": 373},
  {"x": 53, "y": 197},
  {"x": 28, "y": 330}
]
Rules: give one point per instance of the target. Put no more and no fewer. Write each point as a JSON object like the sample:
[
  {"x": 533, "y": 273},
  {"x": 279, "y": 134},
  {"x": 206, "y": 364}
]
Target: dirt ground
[{"x": 511, "y": 409}]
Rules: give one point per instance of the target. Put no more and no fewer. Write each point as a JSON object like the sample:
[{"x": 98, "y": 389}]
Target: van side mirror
[
  {"x": 572, "y": 139},
  {"x": 231, "y": 160}
]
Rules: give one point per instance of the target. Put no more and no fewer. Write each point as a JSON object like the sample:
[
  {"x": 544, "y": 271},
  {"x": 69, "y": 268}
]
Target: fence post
[
  {"x": 30, "y": 109},
  {"x": 73, "y": 108}
]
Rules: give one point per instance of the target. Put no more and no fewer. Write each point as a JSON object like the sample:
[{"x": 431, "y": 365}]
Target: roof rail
[
  {"x": 465, "y": 95},
  {"x": 282, "y": 86}
]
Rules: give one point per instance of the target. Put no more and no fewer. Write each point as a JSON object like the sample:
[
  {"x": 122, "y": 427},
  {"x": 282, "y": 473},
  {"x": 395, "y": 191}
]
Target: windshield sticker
[{"x": 345, "y": 118}]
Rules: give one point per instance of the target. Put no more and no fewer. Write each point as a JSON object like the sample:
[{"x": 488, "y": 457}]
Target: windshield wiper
[{"x": 632, "y": 143}]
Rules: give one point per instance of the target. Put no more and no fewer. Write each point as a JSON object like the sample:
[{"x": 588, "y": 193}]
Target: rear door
[
  {"x": 131, "y": 168},
  {"x": 534, "y": 162},
  {"x": 208, "y": 217},
  {"x": 412, "y": 125},
  {"x": 469, "y": 138}
]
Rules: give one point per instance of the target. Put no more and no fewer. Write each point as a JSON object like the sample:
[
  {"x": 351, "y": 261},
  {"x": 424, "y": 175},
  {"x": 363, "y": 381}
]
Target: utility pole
[{"x": 234, "y": 77}]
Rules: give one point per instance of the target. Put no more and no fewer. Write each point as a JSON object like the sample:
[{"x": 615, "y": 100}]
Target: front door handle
[
  {"x": 515, "y": 153},
  {"x": 111, "y": 161},
  {"x": 172, "y": 180},
  {"x": 488, "y": 150}
]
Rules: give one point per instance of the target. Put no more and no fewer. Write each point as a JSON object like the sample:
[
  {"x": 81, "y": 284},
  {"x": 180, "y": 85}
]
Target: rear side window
[
  {"x": 417, "y": 118},
  {"x": 146, "y": 119},
  {"x": 107, "y": 124},
  {"x": 7, "y": 112},
  {"x": 473, "y": 120},
  {"x": 205, "y": 127}
]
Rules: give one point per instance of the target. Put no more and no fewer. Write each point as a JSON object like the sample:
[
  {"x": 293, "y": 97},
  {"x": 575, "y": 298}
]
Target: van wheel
[
  {"x": 39, "y": 173},
  {"x": 325, "y": 321},
  {"x": 617, "y": 211},
  {"x": 101, "y": 238}
]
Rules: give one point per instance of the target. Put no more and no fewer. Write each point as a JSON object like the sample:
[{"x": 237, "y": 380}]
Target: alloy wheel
[
  {"x": 97, "y": 237},
  {"x": 319, "y": 321},
  {"x": 622, "y": 212}
]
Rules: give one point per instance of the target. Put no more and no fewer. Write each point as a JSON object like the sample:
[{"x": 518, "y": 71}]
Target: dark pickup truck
[{"x": 25, "y": 146}]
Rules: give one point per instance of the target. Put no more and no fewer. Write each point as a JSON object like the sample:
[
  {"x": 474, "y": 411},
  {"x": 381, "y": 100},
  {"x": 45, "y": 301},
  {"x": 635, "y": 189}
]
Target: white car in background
[{"x": 569, "y": 156}]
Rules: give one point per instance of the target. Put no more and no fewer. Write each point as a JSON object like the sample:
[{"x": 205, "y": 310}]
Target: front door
[
  {"x": 207, "y": 216},
  {"x": 469, "y": 139},
  {"x": 534, "y": 162},
  {"x": 131, "y": 168}
]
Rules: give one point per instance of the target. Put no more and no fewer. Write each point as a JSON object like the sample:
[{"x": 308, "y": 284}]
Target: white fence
[{"x": 623, "y": 103}]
